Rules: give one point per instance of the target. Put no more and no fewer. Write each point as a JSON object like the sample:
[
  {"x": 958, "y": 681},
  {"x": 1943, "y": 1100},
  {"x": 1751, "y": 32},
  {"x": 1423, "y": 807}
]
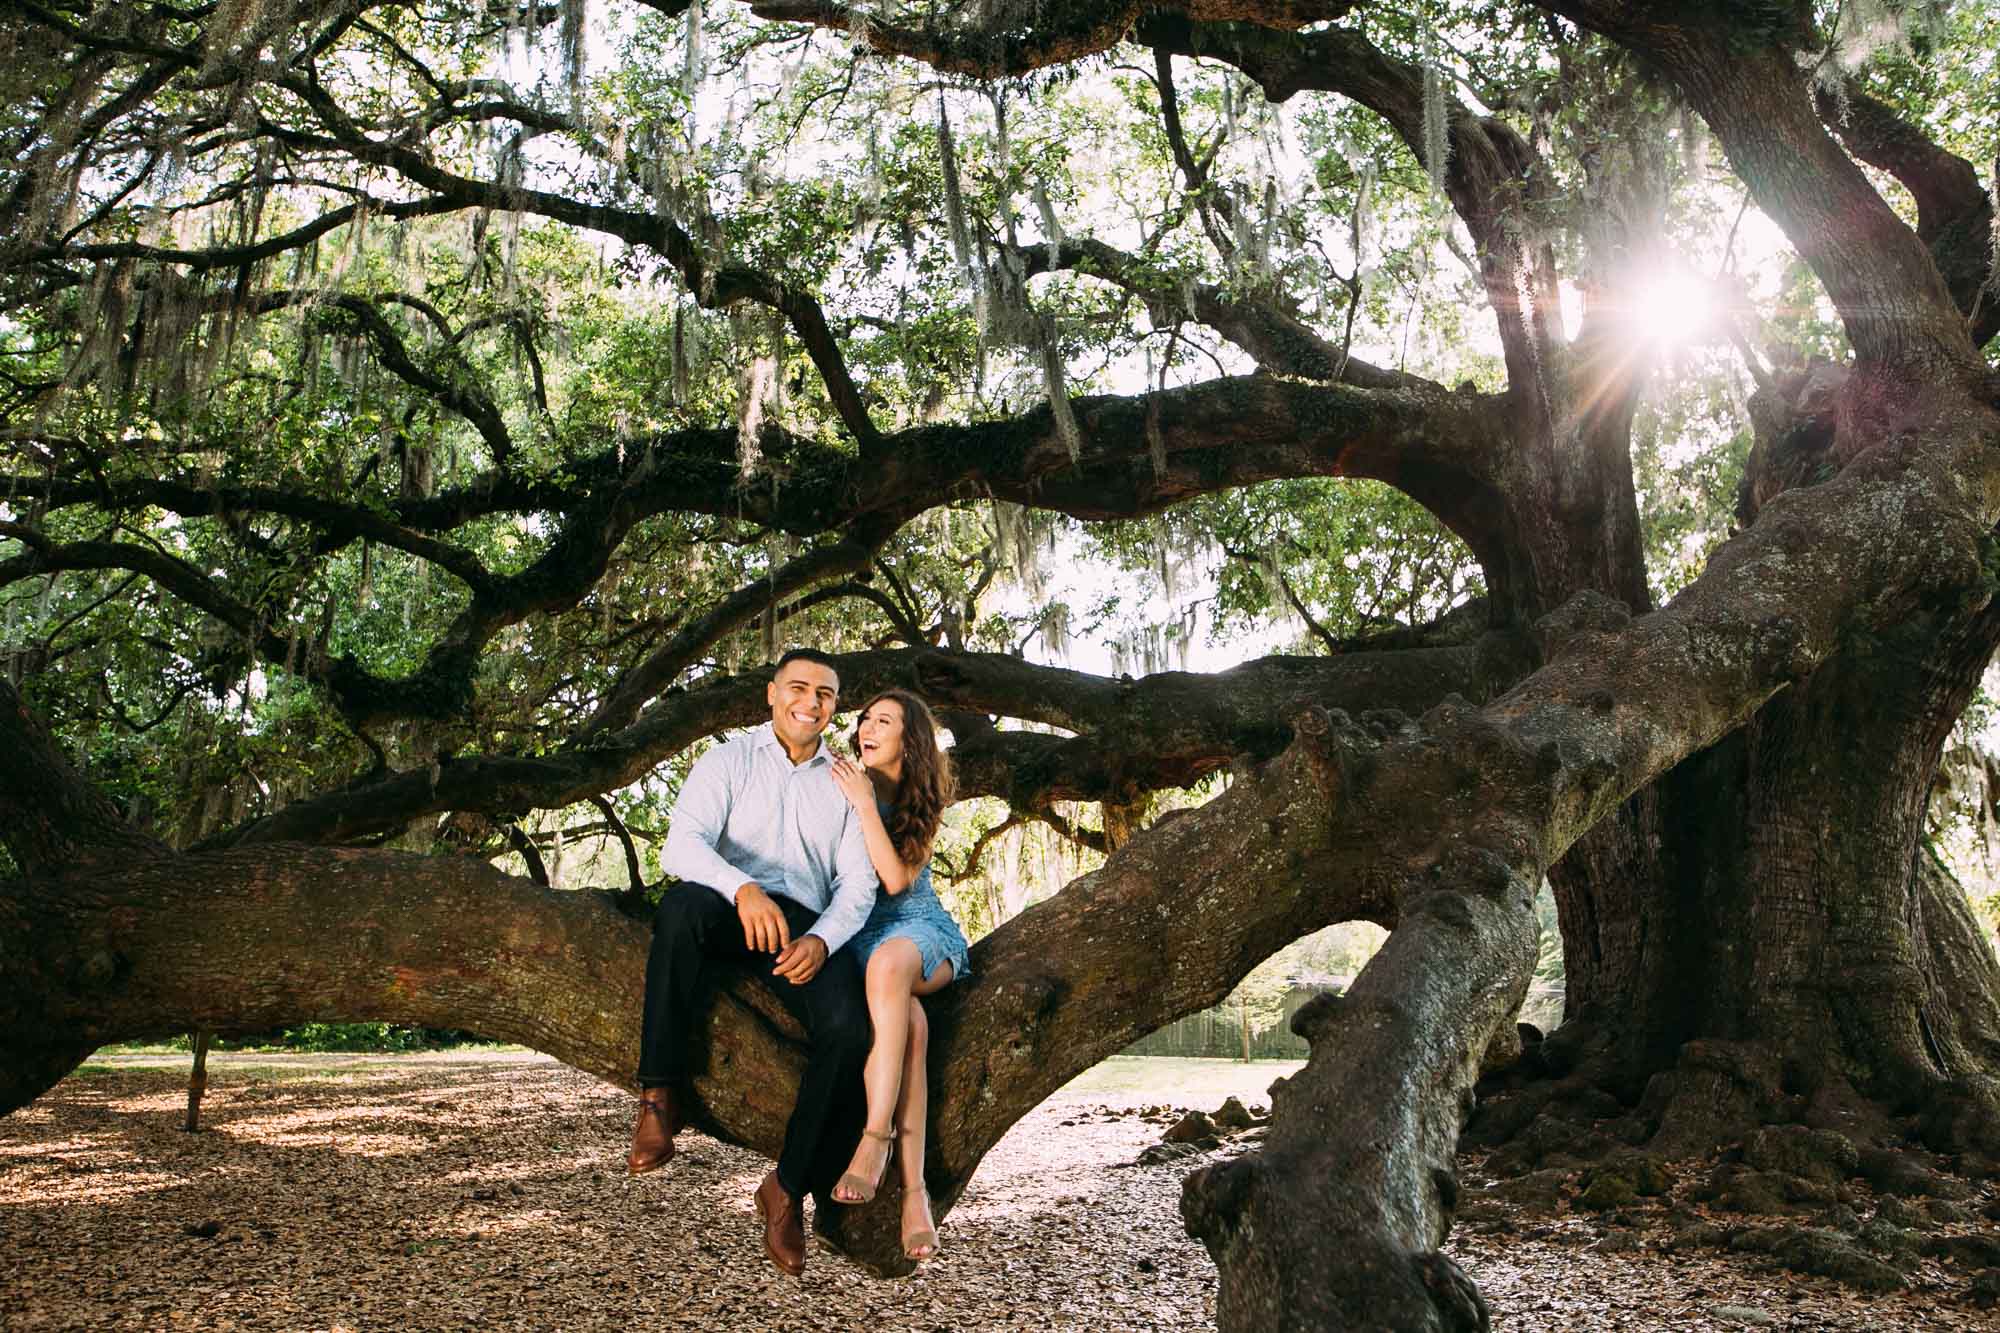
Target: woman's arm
[{"x": 859, "y": 789}]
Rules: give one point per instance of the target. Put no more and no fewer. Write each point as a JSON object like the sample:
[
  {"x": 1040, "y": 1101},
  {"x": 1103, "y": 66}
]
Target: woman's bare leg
[
  {"x": 914, "y": 1103},
  {"x": 893, "y": 971},
  {"x": 912, "y": 1112}
]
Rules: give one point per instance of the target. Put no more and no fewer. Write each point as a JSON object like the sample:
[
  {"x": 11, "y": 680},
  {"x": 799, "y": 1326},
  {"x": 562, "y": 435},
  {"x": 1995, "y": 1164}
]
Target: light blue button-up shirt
[{"x": 748, "y": 815}]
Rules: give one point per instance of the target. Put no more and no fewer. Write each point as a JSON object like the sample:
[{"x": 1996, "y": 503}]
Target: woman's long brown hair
[{"x": 925, "y": 788}]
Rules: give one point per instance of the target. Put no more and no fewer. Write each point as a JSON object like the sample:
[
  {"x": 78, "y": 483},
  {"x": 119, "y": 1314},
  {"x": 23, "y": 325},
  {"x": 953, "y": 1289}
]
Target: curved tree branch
[
  {"x": 1954, "y": 211},
  {"x": 1281, "y": 342},
  {"x": 638, "y": 685}
]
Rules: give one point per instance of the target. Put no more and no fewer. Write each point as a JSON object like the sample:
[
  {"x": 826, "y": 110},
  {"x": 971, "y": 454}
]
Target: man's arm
[
  {"x": 854, "y": 887},
  {"x": 700, "y": 814}
]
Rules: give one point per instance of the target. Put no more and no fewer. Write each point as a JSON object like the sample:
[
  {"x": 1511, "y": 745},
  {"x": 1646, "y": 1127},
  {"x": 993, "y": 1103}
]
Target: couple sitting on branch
[{"x": 819, "y": 870}]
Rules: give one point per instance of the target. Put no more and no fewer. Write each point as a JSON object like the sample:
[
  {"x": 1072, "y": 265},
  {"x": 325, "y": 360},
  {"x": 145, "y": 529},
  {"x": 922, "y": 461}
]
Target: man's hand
[
  {"x": 801, "y": 960},
  {"x": 764, "y": 926}
]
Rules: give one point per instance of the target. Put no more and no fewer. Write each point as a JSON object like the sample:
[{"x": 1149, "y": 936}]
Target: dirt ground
[{"x": 455, "y": 1191}]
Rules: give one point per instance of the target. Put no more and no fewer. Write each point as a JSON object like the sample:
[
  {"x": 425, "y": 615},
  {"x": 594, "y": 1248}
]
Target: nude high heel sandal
[
  {"x": 922, "y": 1243},
  {"x": 854, "y": 1188}
]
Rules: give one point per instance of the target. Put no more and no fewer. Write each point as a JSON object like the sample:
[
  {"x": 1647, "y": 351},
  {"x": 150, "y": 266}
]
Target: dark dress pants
[{"x": 697, "y": 928}]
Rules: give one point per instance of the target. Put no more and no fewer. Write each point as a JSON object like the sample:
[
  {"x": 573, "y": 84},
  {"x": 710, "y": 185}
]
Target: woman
[{"x": 909, "y": 947}]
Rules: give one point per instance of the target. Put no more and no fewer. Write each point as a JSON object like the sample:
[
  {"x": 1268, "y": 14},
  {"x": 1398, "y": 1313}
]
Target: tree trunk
[
  {"x": 1767, "y": 935},
  {"x": 1853, "y": 969}
]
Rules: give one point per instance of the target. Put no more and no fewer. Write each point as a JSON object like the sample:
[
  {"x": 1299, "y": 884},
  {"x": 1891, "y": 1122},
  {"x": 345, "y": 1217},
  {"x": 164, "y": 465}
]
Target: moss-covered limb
[
  {"x": 717, "y": 287},
  {"x": 1439, "y": 447},
  {"x": 338, "y": 522},
  {"x": 1160, "y": 730},
  {"x": 1233, "y": 431},
  {"x": 458, "y": 391}
]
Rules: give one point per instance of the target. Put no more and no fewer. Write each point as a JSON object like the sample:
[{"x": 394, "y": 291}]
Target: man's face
[{"x": 802, "y": 698}]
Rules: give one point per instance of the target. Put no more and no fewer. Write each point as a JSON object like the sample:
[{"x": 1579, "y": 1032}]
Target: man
[{"x": 772, "y": 862}]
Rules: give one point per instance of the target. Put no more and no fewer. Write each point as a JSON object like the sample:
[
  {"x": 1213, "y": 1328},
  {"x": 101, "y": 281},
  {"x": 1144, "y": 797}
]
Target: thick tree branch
[
  {"x": 1954, "y": 211},
  {"x": 51, "y": 820},
  {"x": 339, "y": 522},
  {"x": 1443, "y": 448},
  {"x": 1047, "y": 35},
  {"x": 1437, "y": 446}
]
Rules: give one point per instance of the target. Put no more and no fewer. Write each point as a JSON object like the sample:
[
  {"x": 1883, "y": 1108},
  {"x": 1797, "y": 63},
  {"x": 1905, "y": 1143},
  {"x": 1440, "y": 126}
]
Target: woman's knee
[
  {"x": 920, "y": 1026},
  {"x": 893, "y": 968}
]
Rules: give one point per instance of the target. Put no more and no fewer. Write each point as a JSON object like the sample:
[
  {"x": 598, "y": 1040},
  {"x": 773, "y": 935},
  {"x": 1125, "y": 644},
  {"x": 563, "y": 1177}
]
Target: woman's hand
[{"x": 854, "y": 783}]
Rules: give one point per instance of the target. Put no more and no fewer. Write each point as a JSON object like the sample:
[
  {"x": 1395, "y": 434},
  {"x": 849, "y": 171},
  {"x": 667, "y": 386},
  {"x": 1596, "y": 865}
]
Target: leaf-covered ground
[{"x": 330, "y": 1193}]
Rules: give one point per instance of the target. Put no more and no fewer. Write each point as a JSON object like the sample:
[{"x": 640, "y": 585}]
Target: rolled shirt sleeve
[
  {"x": 854, "y": 888},
  {"x": 700, "y": 815}
]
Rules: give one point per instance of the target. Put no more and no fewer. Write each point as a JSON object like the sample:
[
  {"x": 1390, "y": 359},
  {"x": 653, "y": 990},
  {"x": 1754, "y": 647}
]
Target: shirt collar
[{"x": 765, "y": 737}]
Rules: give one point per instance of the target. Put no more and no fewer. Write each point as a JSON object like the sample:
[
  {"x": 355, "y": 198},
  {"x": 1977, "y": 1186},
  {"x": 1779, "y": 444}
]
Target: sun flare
[{"x": 1671, "y": 307}]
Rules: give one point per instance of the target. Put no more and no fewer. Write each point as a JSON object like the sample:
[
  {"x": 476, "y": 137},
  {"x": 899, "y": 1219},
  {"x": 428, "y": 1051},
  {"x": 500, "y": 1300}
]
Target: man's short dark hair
[{"x": 813, "y": 655}]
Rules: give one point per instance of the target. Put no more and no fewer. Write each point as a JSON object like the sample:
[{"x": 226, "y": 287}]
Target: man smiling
[{"x": 772, "y": 862}]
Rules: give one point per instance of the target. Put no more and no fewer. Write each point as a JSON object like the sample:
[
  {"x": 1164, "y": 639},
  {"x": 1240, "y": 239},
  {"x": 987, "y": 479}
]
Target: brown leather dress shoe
[
  {"x": 660, "y": 1119},
  {"x": 784, "y": 1228}
]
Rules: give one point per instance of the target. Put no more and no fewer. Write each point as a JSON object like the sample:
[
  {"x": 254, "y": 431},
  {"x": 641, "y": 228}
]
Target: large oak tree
[{"x": 319, "y": 310}]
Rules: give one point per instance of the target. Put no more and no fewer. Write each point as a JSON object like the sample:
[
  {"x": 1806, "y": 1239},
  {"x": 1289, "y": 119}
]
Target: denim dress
[{"x": 917, "y": 915}]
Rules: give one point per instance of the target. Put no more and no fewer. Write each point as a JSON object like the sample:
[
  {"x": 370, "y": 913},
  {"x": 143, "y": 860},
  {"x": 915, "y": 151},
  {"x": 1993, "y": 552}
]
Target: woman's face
[{"x": 879, "y": 736}]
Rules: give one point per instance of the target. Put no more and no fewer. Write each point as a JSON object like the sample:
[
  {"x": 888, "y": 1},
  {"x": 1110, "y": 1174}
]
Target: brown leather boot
[
  {"x": 784, "y": 1228},
  {"x": 660, "y": 1119}
]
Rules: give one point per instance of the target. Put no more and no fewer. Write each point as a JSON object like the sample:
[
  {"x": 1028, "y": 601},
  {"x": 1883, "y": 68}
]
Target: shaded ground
[{"x": 339, "y": 1192}]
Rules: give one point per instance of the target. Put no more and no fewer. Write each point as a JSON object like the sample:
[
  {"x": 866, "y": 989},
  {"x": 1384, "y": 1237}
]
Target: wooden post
[{"x": 197, "y": 1080}]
